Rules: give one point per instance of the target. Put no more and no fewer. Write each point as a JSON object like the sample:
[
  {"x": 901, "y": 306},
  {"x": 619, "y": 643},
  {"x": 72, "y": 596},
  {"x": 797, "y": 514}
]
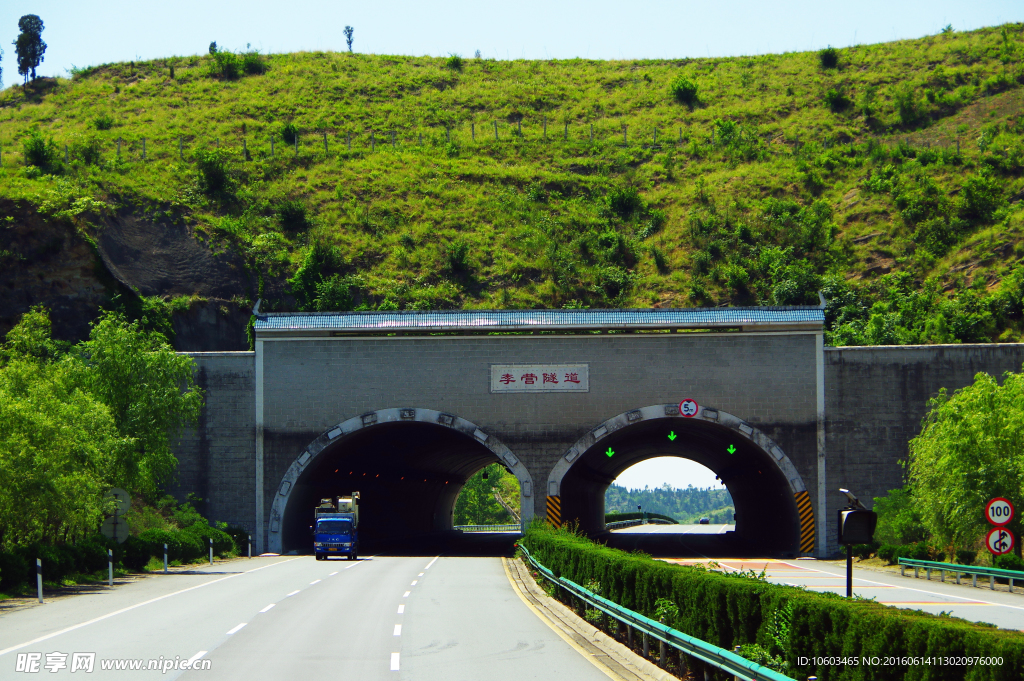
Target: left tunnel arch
[{"x": 408, "y": 464}]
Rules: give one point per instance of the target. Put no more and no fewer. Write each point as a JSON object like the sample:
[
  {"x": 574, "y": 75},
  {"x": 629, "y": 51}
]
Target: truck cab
[{"x": 336, "y": 528}]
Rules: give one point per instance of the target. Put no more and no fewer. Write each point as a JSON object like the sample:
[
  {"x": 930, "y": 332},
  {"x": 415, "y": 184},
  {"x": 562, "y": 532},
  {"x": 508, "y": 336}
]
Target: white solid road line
[
  {"x": 137, "y": 605},
  {"x": 268, "y": 607},
  {"x": 188, "y": 663},
  {"x": 910, "y": 588},
  {"x": 315, "y": 581},
  {"x": 398, "y": 630},
  {"x": 401, "y": 609},
  {"x": 292, "y": 593},
  {"x": 394, "y": 662},
  {"x": 431, "y": 562},
  {"x": 406, "y": 594},
  {"x": 237, "y": 628}
]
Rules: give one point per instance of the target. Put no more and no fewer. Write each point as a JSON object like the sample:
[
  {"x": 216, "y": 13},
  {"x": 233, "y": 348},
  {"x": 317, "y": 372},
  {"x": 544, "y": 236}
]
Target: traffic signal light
[{"x": 857, "y": 526}]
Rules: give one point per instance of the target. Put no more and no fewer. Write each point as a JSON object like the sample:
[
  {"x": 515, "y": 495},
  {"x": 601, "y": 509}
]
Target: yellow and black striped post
[
  {"x": 806, "y": 513},
  {"x": 555, "y": 511}
]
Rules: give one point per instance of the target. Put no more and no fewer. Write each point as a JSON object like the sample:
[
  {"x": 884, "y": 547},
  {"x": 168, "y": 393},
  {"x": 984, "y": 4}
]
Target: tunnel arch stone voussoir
[
  {"x": 671, "y": 412},
  {"x": 379, "y": 417}
]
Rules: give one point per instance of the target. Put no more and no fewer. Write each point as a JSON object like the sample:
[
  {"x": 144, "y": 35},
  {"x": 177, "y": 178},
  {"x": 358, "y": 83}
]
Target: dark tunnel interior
[
  {"x": 408, "y": 475},
  {"x": 766, "y": 515}
]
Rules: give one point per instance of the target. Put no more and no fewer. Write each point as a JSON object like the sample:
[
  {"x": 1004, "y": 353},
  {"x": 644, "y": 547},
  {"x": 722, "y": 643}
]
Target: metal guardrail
[
  {"x": 511, "y": 527},
  {"x": 972, "y": 570},
  {"x": 636, "y": 521},
  {"x": 730, "y": 662}
]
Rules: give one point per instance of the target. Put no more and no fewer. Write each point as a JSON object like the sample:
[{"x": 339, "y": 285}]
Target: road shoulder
[{"x": 607, "y": 654}]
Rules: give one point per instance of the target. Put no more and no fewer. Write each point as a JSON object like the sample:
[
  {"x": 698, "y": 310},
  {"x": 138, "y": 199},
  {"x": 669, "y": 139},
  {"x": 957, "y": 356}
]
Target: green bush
[
  {"x": 454, "y": 62},
  {"x": 684, "y": 91},
  {"x": 253, "y": 64},
  {"x": 626, "y": 202},
  {"x": 965, "y": 557},
  {"x": 42, "y": 152},
  {"x": 212, "y": 167},
  {"x": 289, "y": 133},
  {"x": 836, "y": 100},
  {"x": 103, "y": 122},
  {"x": 457, "y": 256},
  {"x": 292, "y": 215},
  {"x": 727, "y": 610},
  {"x": 1009, "y": 561},
  {"x": 226, "y": 64},
  {"x": 828, "y": 57},
  {"x": 239, "y": 535},
  {"x": 180, "y": 545},
  {"x": 222, "y": 542}
]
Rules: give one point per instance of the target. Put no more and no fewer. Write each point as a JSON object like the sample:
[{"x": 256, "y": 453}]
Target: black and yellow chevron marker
[
  {"x": 555, "y": 511},
  {"x": 806, "y": 513}
]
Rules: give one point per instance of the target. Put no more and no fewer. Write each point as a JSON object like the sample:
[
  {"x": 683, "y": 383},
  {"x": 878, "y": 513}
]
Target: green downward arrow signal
[
  {"x": 672, "y": 436},
  {"x": 610, "y": 453},
  {"x": 731, "y": 449}
]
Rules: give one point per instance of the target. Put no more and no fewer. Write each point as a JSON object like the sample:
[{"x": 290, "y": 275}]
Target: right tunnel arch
[{"x": 773, "y": 509}]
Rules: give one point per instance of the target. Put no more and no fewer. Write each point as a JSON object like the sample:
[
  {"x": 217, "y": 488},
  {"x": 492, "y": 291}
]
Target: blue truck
[{"x": 336, "y": 528}]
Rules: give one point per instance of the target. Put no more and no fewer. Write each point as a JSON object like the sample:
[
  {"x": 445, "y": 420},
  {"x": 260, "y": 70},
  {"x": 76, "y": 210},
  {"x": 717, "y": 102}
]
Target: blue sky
[{"x": 99, "y": 31}]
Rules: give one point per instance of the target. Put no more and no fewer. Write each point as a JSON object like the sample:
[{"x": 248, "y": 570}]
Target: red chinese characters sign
[{"x": 540, "y": 378}]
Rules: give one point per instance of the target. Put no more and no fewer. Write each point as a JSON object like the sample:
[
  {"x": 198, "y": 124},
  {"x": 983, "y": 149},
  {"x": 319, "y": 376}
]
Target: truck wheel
[
  {"x": 319, "y": 557},
  {"x": 354, "y": 557}
]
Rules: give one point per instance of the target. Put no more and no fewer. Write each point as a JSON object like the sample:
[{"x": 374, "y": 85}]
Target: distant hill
[
  {"x": 888, "y": 176},
  {"x": 685, "y": 505}
]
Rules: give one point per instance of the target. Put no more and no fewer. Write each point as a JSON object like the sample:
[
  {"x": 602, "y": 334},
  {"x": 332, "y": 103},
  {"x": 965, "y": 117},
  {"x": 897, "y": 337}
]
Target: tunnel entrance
[
  {"x": 408, "y": 471},
  {"x": 772, "y": 509}
]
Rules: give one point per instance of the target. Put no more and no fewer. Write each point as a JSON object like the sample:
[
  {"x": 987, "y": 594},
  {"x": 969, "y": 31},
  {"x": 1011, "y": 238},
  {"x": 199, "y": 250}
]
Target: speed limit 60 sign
[
  {"x": 999, "y": 511},
  {"x": 999, "y": 541}
]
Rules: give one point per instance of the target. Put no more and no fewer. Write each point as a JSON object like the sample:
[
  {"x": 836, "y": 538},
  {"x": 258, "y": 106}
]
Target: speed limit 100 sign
[{"x": 999, "y": 511}]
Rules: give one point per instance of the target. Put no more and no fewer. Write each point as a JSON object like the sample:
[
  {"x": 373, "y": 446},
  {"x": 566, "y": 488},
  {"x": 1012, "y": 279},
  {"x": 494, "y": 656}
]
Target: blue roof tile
[{"x": 529, "y": 320}]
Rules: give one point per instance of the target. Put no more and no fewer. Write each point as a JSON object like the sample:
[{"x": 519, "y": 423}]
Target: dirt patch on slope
[{"x": 165, "y": 259}]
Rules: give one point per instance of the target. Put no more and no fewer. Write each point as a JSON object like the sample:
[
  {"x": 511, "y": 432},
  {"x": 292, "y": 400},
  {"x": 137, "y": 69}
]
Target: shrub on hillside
[
  {"x": 457, "y": 256},
  {"x": 828, "y": 57},
  {"x": 103, "y": 122},
  {"x": 226, "y": 64},
  {"x": 292, "y": 215},
  {"x": 836, "y": 100},
  {"x": 904, "y": 98},
  {"x": 252, "y": 63},
  {"x": 212, "y": 167},
  {"x": 684, "y": 91},
  {"x": 289, "y": 133},
  {"x": 42, "y": 153},
  {"x": 626, "y": 201},
  {"x": 454, "y": 62}
]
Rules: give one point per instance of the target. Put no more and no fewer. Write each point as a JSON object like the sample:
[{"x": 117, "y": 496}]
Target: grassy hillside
[
  {"x": 685, "y": 505},
  {"x": 891, "y": 180}
]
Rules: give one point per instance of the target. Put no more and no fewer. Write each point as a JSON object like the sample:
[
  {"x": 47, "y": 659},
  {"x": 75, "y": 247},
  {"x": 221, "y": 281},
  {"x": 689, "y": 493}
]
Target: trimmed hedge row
[
  {"x": 729, "y": 610},
  {"x": 86, "y": 557}
]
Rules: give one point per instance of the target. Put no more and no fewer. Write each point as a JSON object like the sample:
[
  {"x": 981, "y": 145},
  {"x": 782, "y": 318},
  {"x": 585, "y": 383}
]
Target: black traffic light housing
[{"x": 857, "y": 526}]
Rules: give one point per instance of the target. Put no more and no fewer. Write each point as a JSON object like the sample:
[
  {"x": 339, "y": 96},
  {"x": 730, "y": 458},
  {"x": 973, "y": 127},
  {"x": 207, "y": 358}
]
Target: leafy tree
[
  {"x": 970, "y": 450},
  {"x": 348, "y": 36},
  {"x": 150, "y": 391},
  {"x": 476, "y": 504},
  {"x": 29, "y": 45},
  {"x": 899, "y": 520},
  {"x": 828, "y": 57},
  {"x": 213, "y": 47},
  {"x": 1, "y": 68},
  {"x": 684, "y": 91}
]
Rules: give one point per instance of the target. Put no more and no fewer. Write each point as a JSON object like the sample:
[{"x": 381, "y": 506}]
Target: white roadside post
[
  {"x": 110, "y": 567},
  {"x": 39, "y": 578},
  {"x": 250, "y": 546},
  {"x": 211, "y": 550},
  {"x": 165, "y": 559}
]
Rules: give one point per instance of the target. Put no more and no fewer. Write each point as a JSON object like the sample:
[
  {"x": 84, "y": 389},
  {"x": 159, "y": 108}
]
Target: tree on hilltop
[
  {"x": 348, "y": 36},
  {"x": 29, "y": 45}
]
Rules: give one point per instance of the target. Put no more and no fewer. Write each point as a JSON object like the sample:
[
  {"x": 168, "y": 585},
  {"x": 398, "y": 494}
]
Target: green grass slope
[{"x": 892, "y": 180}]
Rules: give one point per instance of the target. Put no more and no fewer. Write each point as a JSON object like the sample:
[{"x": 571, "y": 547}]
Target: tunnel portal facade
[{"x": 331, "y": 403}]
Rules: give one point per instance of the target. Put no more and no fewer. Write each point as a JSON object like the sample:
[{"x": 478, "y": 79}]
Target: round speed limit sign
[
  {"x": 688, "y": 408},
  {"x": 999, "y": 541},
  {"x": 999, "y": 511}
]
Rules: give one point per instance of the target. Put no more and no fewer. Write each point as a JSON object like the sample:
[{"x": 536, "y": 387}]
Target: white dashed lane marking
[
  {"x": 268, "y": 607},
  {"x": 237, "y": 628}
]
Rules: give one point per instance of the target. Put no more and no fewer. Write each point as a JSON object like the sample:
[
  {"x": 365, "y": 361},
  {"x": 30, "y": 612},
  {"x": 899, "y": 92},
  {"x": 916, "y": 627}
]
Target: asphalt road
[
  {"x": 976, "y": 604},
  {"x": 393, "y": 618}
]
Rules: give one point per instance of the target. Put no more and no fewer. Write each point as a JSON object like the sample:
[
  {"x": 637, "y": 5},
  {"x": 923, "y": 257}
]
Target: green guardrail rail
[
  {"x": 974, "y": 570},
  {"x": 727, "y": 661},
  {"x": 511, "y": 527}
]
